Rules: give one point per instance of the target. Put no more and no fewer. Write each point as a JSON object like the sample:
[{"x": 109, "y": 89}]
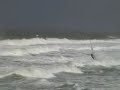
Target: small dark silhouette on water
[
  {"x": 93, "y": 56},
  {"x": 92, "y": 53}
]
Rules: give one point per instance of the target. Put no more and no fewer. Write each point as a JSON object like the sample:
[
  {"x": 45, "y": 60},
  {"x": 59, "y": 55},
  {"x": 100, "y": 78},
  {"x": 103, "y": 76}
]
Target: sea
[{"x": 59, "y": 64}]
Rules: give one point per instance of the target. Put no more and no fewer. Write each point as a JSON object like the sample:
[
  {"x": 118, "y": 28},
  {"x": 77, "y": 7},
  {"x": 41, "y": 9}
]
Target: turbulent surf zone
[{"x": 59, "y": 64}]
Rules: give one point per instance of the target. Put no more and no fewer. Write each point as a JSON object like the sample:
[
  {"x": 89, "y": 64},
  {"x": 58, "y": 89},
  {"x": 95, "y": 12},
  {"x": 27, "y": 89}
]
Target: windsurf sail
[
  {"x": 92, "y": 51},
  {"x": 92, "y": 54}
]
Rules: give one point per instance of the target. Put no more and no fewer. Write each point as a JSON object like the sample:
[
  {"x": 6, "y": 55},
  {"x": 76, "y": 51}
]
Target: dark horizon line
[
  {"x": 19, "y": 34},
  {"x": 51, "y": 29}
]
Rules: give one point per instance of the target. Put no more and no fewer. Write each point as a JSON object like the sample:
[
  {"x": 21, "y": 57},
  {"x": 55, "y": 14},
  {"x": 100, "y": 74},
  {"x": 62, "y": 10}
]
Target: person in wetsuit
[{"x": 92, "y": 55}]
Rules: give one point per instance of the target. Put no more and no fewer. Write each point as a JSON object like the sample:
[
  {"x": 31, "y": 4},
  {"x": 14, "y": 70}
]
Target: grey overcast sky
[{"x": 85, "y": 15}]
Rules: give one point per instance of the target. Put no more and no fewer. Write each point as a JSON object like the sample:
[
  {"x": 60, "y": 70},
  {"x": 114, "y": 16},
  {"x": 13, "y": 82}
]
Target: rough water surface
[{"x": 59, "y": 64}]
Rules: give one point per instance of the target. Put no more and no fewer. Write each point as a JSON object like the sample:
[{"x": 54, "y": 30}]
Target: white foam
[
  {"x": 27, "y": 50},
  {"x": 49, "y": 72},
  {"x": 97, "y": 48},
  {"x": 25, "y": 47},
  {"x": 22, "y": 42},
  {"x": 103, "y": 59},
  {"x": 36, "y": 41},
  {"x": 20, "y": 51}
]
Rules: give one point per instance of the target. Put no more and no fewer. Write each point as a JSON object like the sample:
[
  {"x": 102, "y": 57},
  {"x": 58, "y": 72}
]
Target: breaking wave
[
  {"x": 37, "y": 41},
  {"x": 20, "y": 51},
  {"x": 22, "y": 47},
  {"x": 50, "y": 71},
  {"x": 70, "y": 50},
  {"x": 43, "y": 72}
]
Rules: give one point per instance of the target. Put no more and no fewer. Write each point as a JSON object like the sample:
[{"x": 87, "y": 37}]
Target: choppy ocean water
[{"x": 59, "y": 64}]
